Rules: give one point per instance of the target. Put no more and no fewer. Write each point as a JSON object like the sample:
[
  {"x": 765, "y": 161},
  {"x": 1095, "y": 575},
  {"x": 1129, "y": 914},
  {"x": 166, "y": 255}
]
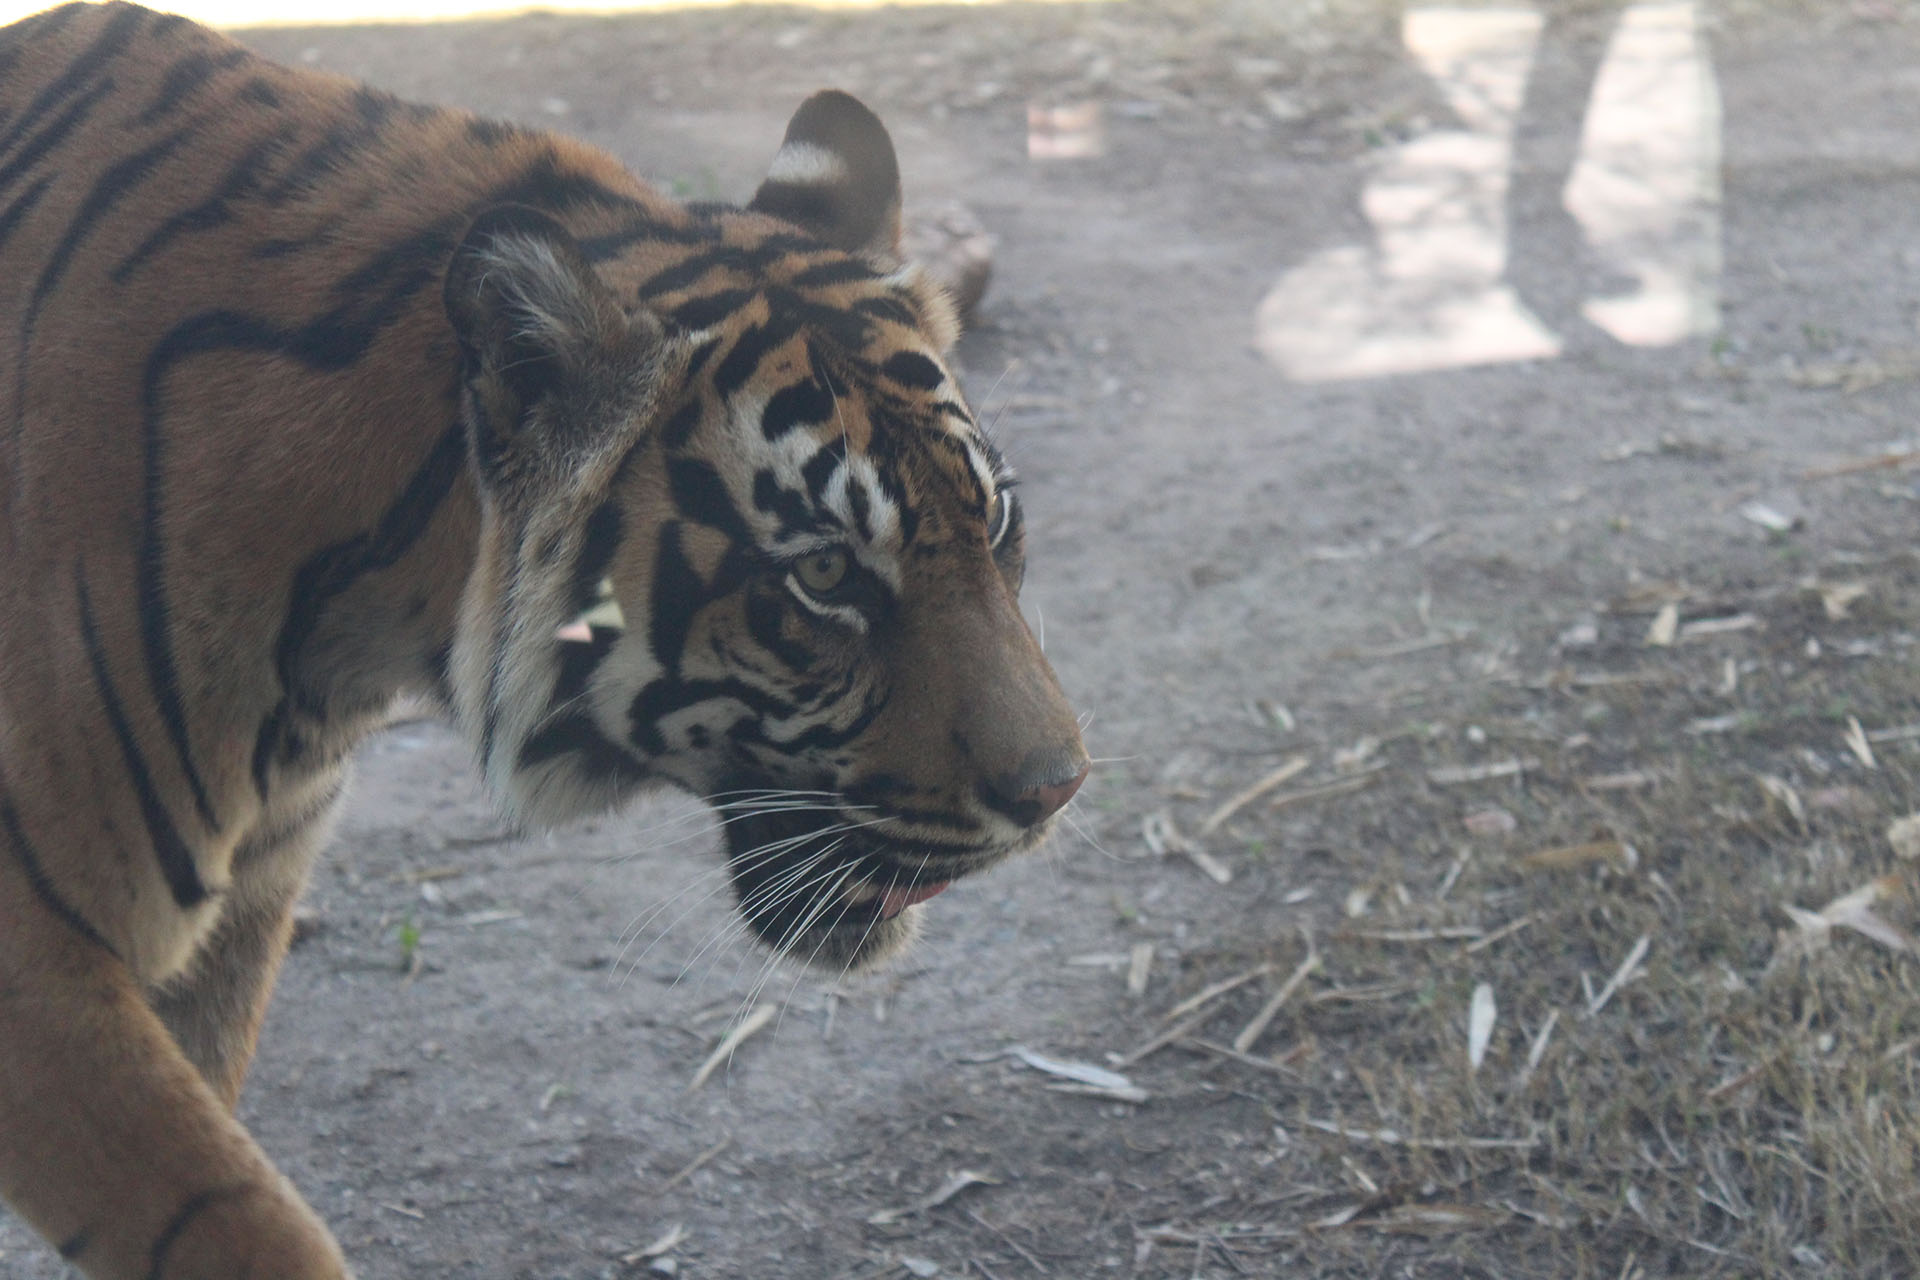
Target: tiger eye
[{"x": 822, "y": 572}]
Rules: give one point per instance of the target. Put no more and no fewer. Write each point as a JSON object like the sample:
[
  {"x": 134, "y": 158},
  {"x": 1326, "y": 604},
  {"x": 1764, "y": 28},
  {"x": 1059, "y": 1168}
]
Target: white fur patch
[{"x": 807, "y": 164}]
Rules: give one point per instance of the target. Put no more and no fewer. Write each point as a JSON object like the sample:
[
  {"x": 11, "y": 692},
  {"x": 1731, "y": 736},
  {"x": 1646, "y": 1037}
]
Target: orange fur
[{"x": 310, "y": 399}]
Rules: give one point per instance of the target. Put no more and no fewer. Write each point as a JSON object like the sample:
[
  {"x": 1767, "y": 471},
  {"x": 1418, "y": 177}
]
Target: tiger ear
[
  {"x": 835, "y": 176},
  {"x": 532, "y": 317}
]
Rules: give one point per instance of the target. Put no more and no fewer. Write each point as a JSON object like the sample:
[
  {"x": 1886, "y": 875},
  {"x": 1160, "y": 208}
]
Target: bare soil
[{"x": 478, "y": 1064}]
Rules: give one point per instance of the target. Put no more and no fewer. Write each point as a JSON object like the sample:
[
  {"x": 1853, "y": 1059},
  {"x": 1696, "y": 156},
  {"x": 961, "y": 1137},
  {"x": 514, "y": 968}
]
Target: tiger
[{"x": 315, "y": 403}]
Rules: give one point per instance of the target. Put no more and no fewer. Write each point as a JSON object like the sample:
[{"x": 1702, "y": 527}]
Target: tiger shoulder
[{"x": 312, "y": 400}]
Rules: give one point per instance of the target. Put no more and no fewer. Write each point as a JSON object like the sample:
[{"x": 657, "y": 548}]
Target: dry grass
[{"x": 1738, "y": 1098}]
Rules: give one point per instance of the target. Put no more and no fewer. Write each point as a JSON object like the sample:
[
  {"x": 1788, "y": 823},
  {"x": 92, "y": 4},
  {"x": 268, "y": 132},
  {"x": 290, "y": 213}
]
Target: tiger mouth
[
  {"x": 889, "y": 900},
  {"x": 810, "y": 888}
]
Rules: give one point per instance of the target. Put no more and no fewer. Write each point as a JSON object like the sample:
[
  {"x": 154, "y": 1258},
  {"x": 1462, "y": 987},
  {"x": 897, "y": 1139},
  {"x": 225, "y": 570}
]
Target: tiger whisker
[{"x": 723, "y": 874}]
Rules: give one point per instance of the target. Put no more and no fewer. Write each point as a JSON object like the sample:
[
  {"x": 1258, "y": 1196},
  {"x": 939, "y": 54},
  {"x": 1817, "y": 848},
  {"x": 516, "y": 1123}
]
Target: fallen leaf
[
  {"x": 1838, "y": 598},
  {"x": 1096, "y": 1080},
  {"x": 1768, "y": 518},
  {"x": 953, "y": 1186},
  {"x": 1480, "y": 1019},
  {"x": 1856, "y": 740},
  {"x": 1666, "y": 624},
  {"x": 1781, "y": 790}
]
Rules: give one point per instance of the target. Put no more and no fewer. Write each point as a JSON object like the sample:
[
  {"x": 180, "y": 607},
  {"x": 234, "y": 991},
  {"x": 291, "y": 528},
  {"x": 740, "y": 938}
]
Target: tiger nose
[{"x": 1032, "y": 795}]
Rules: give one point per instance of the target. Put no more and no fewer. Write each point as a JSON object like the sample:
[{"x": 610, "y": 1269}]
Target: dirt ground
[{"x": 478, "y": 1063}]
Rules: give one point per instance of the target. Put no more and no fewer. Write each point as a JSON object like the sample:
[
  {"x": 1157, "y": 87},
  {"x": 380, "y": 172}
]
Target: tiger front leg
[
  {"x": 112, "y": 1145},
  {"x": 214, "y": 1010}
]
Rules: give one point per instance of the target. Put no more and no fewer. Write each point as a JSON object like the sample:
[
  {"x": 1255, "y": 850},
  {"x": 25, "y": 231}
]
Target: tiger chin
[{"x": 314, "y": 400}]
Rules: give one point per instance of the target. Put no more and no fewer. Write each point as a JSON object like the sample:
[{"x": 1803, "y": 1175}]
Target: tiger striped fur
[{"x": 310, "y": 400}]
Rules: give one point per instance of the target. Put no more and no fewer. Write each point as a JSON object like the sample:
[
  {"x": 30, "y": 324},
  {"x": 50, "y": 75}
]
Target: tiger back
[{"x": 311, "y": 400}]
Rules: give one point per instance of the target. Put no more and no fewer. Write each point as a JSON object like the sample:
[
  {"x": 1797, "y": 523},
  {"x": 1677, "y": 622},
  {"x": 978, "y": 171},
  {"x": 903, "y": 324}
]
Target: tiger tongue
[{"x": 896, "y": 898}]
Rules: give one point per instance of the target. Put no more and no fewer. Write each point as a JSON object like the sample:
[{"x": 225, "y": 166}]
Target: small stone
[
  {"x": 1904, "y": 836},
  {"x": 921, "y": 1267},
  {"x": 1490, "y": 822}
]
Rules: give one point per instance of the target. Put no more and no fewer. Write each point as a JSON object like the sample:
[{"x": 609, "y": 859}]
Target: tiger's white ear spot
[
  {"x": 605, "y": 613},
  {"x": 805, "y": 164}
]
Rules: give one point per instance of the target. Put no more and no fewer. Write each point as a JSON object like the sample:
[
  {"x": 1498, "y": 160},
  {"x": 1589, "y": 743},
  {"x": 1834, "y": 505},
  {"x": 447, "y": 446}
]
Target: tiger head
[{"x": 742, "y": 533}]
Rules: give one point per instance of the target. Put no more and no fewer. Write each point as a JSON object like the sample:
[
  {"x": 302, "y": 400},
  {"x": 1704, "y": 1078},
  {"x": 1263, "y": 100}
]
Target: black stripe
[
  {"x": 677, "y": 592},
  {"x": 181, "y": 1220},
  {"x": 375, "y": 296},
  {"x": 579, "y": 736},
  {"x": 324, "y": 575},
  {"x": 9, "y": 61},
  {"x": 371, "y": 111},
  {"x": 749, "y": 349},
  {"x": 579, "y": 661},
  {"x": 265, "y": 840},
  {"x": 113, "y": 186},
  {"x": 266, "y": 744},
  {"x": 765, "y": 613},
  {"x": 184, "y": 77},
  {"x": 112, "y": 39},
  {"x": 824, "y": 737},
  {"x": 820, "y": 467},
  {"x": 491, "y": 133},
  {"x": 176, "y": 860},
  {"x": 887, "y": 308},
  {"x": 662, "y": 698},
  {"x": 20, "y": 208},
  {"x": 910, "y": 368},
  {"x": 711, "y": 308},
  {"x": 53, "y": 135},
  {"x": 546, "y": 185},
  {"x": 701, "y": 495},
  {"x": 217, "y": 209},
  {"x": 261, "y": 93},
  {"x": 42, "y": 25},
  {"x": 43, "y": 888},
  {"x": 597, "y": 545},
  {"x": 701, "y": 354},
  {"x": 687, "y": 272},
  {"x": 679, "y": 428},
  {"x": 327, "y": 573},
  {"x": 802, "y": 404},
  {"x": 783, "y": 504},
  {"x": 831, "y": 272},
  {"x": 602, "y": 247}
]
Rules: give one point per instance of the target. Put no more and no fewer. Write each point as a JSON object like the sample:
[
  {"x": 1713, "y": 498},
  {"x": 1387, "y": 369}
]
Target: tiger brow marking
[{"x": 176, "y": 860}]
